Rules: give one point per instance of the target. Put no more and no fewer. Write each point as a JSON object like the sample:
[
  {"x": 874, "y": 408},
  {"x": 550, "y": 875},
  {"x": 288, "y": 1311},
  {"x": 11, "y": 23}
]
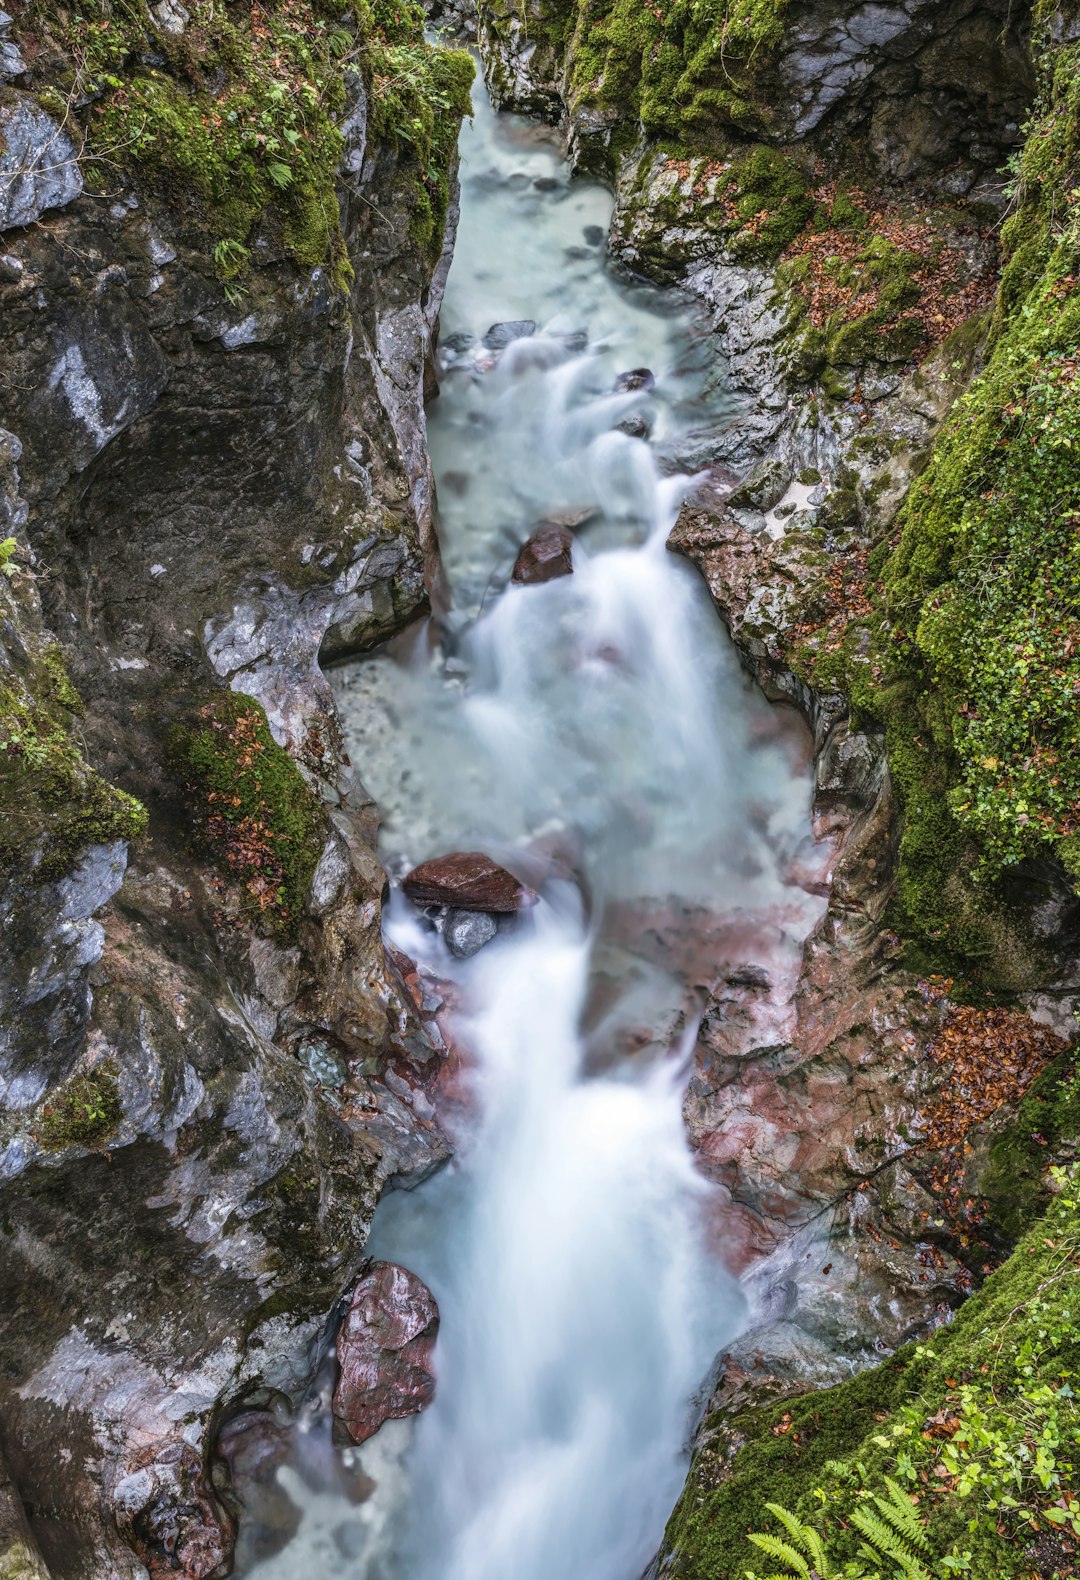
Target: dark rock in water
[
  {"x": 461, "y": 341},
  {"x": 499, "y": 336},
  {"x": 466, "y": 932},
  {"x": 467, "y": 880},
  {"x": 384, "y": 1349},
  {"x": 577, "y": 253},
  {"x": 575, "y": 342},
  {"x": 574, "y": 517},
  {"x": 637, "y": 426},
  {"x": 594, "y": 235},
  {"x": 547, "y": 554},
  {"x": 635, "y": 379},
  {"x": 518, "y": 181},
  {"x": 546, "y": 184},
  {"x": 254, "y": 1445},
  {"x": 167, "y": 1511}
]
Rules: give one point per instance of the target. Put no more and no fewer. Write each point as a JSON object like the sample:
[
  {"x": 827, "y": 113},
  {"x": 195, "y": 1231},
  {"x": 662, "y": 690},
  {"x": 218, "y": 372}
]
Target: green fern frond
[
  {"x": 797, "y": 1565},
  {"x": 888, "y": 1543},
  {"x": 898, "y": 1510}
]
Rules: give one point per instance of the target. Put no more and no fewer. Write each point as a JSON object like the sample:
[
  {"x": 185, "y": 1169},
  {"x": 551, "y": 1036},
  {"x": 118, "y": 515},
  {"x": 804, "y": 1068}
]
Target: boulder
[
  {"x": 384, "y": 1349},
  {"x": 546, "y": 555},
  {"x": 467, "y": 880}
]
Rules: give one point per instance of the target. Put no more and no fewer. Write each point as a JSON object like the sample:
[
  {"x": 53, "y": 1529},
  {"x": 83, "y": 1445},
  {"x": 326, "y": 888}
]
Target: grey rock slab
[{"x": 39, "y": 163}]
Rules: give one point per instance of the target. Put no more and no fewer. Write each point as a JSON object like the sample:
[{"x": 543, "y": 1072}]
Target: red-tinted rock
[
  {"x": 468, "y": 880},
  {"x": 384, "y": 1349},
  {"x": 546, "y": 555}
]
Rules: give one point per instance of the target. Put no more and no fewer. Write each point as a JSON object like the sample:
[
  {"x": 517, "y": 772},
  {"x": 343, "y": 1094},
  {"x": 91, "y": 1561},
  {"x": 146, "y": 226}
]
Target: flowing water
[{"x": 596, "y": 733}]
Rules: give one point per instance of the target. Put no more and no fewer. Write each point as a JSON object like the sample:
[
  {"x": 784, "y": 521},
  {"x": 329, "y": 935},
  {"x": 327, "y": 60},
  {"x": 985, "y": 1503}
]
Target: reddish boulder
[
  {"x": 546, "y": 555},
  {"x": 384, "y": 1349},
  {"x": 467, "y": 880}
]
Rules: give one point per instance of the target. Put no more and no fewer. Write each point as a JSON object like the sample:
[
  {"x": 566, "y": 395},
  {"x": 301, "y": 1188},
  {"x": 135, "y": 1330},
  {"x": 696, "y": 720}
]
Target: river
[{"x": 598, "y": 723}]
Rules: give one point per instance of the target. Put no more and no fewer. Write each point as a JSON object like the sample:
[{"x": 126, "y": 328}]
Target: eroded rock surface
[
  {"x": 467, "y": 880},
  {"x": 205, "y": 1086}
]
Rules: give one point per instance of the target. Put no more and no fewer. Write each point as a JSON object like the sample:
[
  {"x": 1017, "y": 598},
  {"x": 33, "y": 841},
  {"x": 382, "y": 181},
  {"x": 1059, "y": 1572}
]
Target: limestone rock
[
  {"x": 39, "y": 162},
  {"x": 466, "y": 932}
]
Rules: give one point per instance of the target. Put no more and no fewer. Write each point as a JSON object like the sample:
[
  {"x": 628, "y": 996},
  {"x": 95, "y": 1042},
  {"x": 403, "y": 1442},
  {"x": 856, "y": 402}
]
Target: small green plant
[
  {"x": 893, "y": 1537},
  {"x": 8, "y": 549},
  {"x": 84, "y": 1113}
]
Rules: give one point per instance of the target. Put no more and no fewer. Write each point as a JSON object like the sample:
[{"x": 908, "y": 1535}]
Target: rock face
[
  {"x": 549, "y": 553},
  {"x": 384, "y": 1349},
  {"x": 467, "y": 880},
  {"x": 203, "y": 1090}
]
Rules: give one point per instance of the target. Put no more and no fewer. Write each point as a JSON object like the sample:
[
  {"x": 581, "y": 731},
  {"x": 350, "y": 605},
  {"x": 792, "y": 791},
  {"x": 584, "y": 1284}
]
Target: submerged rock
[
  {"x": 384, "y": 1349},
  {"x": 466, "y": 932},
  {"x": 635, "y": 379},
  {"x": 499, "y": 336},
  {"x": 468, "y": 880},
  {"x": 546, "y": 555}
]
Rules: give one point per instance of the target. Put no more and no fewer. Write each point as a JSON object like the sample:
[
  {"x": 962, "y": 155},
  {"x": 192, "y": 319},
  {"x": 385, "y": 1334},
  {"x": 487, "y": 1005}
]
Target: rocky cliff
[{"x": 223, "y": 235}]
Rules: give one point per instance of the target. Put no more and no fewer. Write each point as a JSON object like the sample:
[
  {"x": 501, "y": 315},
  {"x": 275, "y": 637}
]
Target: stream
[{"x": 597, "y": 727}]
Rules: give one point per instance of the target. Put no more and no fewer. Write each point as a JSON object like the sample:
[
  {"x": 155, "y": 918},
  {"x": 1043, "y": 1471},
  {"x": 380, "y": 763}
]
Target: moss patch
[
  {"x": 252, "y": 808},
  {"x": 237, "y": 119},
  {"x": 54, "y": 805},
  {"x": 1001, "y": 1367},
  {"x": 83, "y": 1113}
]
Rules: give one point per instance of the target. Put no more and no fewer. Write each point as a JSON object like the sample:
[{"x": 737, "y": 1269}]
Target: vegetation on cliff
[
  {"x": 252, "y": 808},
  {"x": 966, "y": 645},
  {"x": 54, "y": 805},
  {"x": 978, "y": 1427},
  {"x": 236, "y": 112}
]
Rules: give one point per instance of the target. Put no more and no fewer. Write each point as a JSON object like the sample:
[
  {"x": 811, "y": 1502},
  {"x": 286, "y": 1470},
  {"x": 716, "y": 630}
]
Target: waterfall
[{"x": 574, "y": 1249}]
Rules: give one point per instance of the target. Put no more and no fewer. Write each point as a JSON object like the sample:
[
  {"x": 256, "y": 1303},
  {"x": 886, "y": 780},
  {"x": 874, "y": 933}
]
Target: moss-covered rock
[
  {"x": 240, "y": 117},
  {"x": 252, "y": 808},
  {"x": 928, "y": 1418},
  {"x": 83, "y": 1113}
]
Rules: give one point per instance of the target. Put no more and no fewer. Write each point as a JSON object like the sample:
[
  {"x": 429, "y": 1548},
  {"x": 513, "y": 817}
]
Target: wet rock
[
  {"x": 594, "y": 235},
  {"x": 635, "y": 379},
  {"x": 468, "y": 881},
  {"x": 171, "y": 1517},
  {"x": 384, "y": 1349},
  {"x": 39, "y": 163},
  {"x": 547, "y": 555},
  {"x": 636, "y": 427},
  {"x": 499, "y": 336},
  {"x": 466, "y": 932}
]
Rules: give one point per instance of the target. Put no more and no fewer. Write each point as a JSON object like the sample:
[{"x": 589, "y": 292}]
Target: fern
[
  {"x": 808, "y": 1541},
  {"x": 887, "y": 1542}
]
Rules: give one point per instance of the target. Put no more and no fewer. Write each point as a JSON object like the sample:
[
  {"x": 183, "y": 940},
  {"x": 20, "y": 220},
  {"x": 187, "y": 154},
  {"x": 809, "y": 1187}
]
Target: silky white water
[{"x": 602, "y": 714}]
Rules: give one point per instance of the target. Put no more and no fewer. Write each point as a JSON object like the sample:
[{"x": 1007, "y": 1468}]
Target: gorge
[{"x": 733, "y": 1105}]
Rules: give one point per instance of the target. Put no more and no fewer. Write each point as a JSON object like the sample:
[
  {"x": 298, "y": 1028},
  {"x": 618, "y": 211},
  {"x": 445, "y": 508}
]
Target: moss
[
  {"x": 1046, "y": 1126},
  {"x": 683, "y": 72},
  {"x": 54, "y": 805},
  {"x": 83, "y": 1113},
  {"x": 237, "y": 121},
  {"x": 812, "y": 1453},
  {"x": 252, "y": 808}
]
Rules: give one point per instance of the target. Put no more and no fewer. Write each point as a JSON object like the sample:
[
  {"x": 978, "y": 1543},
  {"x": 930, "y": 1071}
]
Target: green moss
[
  {"x": 816, "y": 1452},
  {"x": 237, "y": 120},
  {"x": 1046, "y": 1126},
  {"x": 684, "y": 72},
  {"x": 83, "y": 1113},
  {"x": 54, "y": 805},
  {"x": 252, "y": 808}
]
